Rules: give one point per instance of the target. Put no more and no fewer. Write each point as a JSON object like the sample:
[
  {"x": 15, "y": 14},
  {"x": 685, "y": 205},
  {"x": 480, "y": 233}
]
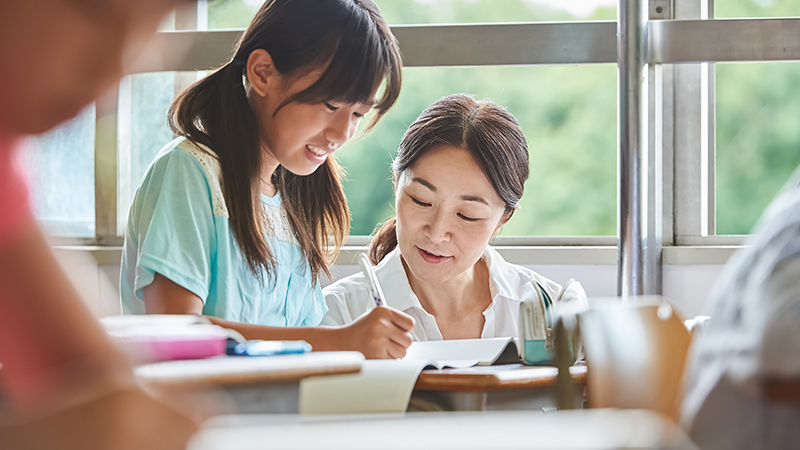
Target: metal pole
[{"x": 633, "y": 120}]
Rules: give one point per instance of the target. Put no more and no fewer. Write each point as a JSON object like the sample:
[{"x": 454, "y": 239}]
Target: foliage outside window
[{"x": 568, "y": 114}]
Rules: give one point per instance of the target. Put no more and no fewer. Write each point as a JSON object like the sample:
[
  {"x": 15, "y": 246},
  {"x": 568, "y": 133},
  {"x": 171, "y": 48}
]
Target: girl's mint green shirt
[{"x": 178, "y": 226}]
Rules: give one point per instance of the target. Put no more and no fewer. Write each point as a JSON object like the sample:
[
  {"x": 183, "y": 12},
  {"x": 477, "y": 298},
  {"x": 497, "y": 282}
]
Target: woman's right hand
[{"x": 383, "y": 333}]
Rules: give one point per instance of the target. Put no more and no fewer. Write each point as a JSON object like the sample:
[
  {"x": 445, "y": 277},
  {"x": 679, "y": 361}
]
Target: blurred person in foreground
[
  {"x": 63, "y": 384},
  {"x": 752, "y": 339}
]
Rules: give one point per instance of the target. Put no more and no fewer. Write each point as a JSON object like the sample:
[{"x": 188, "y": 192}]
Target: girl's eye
[
  {"x": 331, "y": 107},
  {"x": 468, "y": 219},
  {"x": 358, "y": 115},
  {"x": 419, "y": 202}
]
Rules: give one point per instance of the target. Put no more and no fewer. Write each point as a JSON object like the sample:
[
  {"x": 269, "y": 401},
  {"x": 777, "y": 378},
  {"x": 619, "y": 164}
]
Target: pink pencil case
[{"x": 159, "y": 343}]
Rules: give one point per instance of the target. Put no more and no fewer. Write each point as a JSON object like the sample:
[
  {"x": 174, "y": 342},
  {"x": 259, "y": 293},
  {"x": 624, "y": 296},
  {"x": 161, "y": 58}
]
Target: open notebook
[
  {"x": 384, "y": 386},
  {"x": 464, "y": 352}
]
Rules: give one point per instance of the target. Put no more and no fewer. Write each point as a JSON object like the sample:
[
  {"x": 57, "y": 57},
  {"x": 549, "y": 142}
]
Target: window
[
  {"x": 237, "y": 13},
  {"x": 143, "y": 130},
  {"x": 758, "y": 140},
  {"x": 60, "y": 164},
  {"x": 732, "y": 9},
  {"x": 729, "y": 140},
  {"x": 568, "y": 114}
]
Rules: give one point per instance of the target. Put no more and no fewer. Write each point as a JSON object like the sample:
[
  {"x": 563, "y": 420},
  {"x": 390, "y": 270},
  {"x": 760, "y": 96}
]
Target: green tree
[{"x": 757, "y": 138}]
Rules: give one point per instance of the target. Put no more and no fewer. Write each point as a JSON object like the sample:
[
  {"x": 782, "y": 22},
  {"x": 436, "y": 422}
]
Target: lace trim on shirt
[
  {"x": 277, "y": 223},
  {"x": 275, "y": 217},
  {"x": 213, "y": 173}
]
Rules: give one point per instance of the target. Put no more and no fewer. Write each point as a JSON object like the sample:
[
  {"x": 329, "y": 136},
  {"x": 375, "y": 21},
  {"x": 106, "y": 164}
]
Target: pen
[
  {"x": 267, "y": 348},
  {"x": 372, "y": 280}
]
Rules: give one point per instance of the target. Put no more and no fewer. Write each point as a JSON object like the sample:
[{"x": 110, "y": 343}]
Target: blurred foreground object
[
  {"x": 635, "y": 353},
  {"x": 65, "y": 386},
  {"x": 90, "y": 44},
  {"x": 598, "y": 429},
  {"x": 251, "y": 385},
  {"x": 167, "y": 337},
  {"x": 118, "y": 419},
  {"x": 743, "y": 377}
]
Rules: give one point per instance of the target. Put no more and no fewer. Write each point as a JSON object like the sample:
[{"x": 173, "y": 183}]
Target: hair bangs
[{"x": 363, "y": 59}]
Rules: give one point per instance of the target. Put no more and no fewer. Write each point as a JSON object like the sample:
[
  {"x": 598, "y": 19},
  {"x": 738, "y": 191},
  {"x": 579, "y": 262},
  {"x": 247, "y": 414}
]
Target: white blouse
[{"x": 509, "y": 284}]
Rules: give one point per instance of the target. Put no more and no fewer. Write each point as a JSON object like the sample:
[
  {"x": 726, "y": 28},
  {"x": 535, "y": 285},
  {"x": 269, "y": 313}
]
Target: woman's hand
[{"x": 382, "y": 333}]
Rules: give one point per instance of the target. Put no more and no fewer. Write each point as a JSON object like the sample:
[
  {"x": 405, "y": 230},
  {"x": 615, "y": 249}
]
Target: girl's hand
[{"x": 383, "y": 333}]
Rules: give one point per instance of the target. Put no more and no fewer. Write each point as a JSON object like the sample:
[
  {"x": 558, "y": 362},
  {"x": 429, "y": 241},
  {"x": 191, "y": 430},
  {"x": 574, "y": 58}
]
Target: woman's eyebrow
[
  {"x": 466, "y": 198},
  {"x": 425, "y": 183},
  {"x": 474, "y": 198}
]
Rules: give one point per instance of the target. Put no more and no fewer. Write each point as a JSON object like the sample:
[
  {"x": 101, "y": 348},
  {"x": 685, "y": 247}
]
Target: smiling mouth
[
  {"x": 317, "y": 151},
  {"x": 432, "y": 258}
]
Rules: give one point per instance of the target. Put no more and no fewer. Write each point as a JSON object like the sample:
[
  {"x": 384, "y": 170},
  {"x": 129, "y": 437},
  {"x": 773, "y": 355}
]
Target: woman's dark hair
[
  {"x": 484, "y": 129},
  {"x": 353, "y": 44}
]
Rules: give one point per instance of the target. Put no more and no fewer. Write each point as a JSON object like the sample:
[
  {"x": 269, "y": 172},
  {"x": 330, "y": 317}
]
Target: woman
[{"x": 459, "y": 175}]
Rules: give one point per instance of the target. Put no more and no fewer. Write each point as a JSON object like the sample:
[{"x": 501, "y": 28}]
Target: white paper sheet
[
  {"x": 382, "y": 386},
  {"x": 459, "y": 353}
]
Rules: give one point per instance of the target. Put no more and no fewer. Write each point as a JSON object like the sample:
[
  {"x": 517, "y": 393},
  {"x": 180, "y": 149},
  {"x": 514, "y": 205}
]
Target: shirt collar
[
  {"x": 392, "y": 276},
  {"x": 506, "y": 280}
]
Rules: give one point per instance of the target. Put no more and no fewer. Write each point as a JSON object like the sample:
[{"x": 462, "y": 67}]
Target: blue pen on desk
[
  {"x": 372, "y": 280},
  {"x": 267, "y": 348}
]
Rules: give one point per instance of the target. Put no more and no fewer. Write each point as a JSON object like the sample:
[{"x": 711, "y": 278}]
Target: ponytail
[{"x": 384, "y": 242}]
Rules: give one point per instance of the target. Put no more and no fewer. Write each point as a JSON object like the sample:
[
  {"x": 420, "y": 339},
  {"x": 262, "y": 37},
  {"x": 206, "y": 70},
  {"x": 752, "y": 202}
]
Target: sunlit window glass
[
  {"x": 568, "y": 115},
  {"x": 143, "y": 128},
  {"x": 758, "y": 140},
  {"x": 238, "y": 13},
  {"x": 728, "y": 9},
  {"x": 60, "y": 167}
]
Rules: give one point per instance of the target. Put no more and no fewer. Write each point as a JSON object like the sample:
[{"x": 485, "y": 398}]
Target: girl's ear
[{"x": 261, "y": 72}]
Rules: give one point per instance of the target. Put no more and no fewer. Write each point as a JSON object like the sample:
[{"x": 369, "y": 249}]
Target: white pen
[{"x": 372, "y": 280}]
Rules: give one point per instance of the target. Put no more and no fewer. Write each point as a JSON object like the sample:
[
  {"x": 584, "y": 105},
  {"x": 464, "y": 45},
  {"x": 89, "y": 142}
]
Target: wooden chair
[{"x": 635, "y": 353}]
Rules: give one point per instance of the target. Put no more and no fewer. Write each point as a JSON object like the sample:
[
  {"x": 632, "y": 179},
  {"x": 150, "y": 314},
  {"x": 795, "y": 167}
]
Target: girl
[
  {"x": 459, "y": 175},
  {"x": 237, "y": 218}
]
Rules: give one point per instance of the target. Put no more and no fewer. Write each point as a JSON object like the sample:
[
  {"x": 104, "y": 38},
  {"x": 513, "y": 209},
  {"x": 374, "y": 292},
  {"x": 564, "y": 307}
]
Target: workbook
[
  {"x": 385, "y": 386},
  {"x": 459, "y": 353}
]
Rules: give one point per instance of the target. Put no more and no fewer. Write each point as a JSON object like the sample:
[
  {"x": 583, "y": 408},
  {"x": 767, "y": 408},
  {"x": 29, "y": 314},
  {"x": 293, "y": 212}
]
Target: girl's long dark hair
[
  {"x": 352, "y": 42},
  {"x": 484, "y": 129}
]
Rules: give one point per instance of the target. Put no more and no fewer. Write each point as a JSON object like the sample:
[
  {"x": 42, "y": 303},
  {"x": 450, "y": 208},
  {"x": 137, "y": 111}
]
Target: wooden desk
[
  {"x": 254, "y": 385},
  {"x": 498, "y": 388}
]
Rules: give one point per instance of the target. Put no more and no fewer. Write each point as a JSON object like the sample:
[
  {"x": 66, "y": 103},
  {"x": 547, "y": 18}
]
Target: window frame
[{"x": 681, "y": 112}]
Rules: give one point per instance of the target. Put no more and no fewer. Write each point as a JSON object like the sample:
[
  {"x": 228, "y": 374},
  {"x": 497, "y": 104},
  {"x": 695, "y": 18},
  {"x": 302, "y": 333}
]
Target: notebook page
[
  {"x": 382, "y": 386},
  {"x": 458, "y": 353}
]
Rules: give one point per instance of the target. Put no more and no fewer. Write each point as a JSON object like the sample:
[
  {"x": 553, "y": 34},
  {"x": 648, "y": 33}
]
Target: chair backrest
[{"x": 635, "y": 353}]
